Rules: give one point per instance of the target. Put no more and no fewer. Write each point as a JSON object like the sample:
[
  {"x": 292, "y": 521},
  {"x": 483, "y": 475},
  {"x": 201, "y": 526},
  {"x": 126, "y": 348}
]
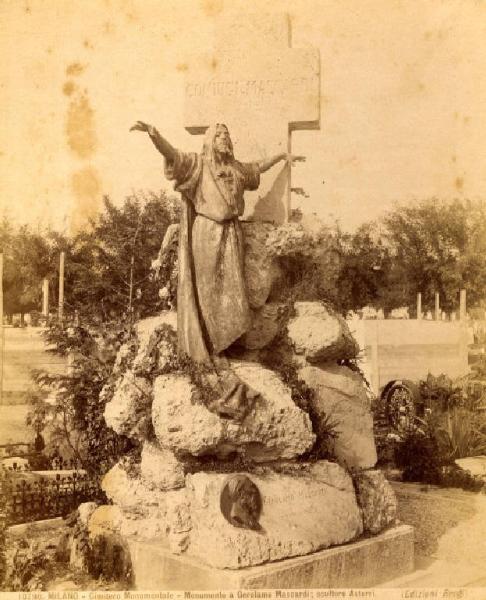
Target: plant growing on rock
[
  {"x": 71, "y": 404},
  {"x": 30, "y": 567},
  {"x": 427, "y": 454},
  {"x": 278, "y": 357},
  {"x": 463, "y": 436}
]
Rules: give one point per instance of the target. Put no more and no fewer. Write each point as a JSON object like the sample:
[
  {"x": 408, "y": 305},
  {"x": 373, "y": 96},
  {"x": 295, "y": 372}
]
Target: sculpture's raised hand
[
  {"x": 292, "y": 158},
  {"x": 141, "y": 126}
]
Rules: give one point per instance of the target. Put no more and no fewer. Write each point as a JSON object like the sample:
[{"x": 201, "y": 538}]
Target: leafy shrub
[
  {"x": 464, "y": 436},
  {"x": 109, "y": 560},
  {"x": 76, "y": 417},
  {"x": 419, "y": 456},
  {"x": 30, "y": 567},
  {"x": 278, "y": 357},
  {"x": 441, "y": 393},
  {"x": 427, "y": 455},
  {"x": 454, "y": 476}
]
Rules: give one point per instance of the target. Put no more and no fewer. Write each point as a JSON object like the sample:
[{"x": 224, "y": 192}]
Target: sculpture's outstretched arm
[
  {"x": 159, "y": 142},
  {"x": 266, "y": 164}
]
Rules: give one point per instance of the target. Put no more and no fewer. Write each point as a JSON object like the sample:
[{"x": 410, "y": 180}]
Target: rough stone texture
[
  {"x": 376, "y": 499},
  {"x": 301, "y": 513},
  {"x": 266, "y": 243},
  {"x": 77, "y": 539},
  {"x": 320, "y": 335},
  {"x": 105, "y": 519},
  {"x": 130, "y": 493},
  {"x": 180, "y": 424},
  {"x": 266, "y": 324},
  {"x": 160, "y": 468},
  {"x": 476, "y": 465},
  {"x": 364, "y": 563},
  {"x": 274, "y": 428},
  {"x": 128, "y": 412},
  {"x": 144, "y": 512},
  {"x": 297, "y": 239},
  {"x": 340, "y": 395},
  {"x": 146, "y": 329},
  {"x": 169, "y": 523},
  {"x": 85, "y": 510}
]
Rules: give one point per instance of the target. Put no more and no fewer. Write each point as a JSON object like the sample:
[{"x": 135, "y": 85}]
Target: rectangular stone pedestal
[{"x": 364, "y": 563}]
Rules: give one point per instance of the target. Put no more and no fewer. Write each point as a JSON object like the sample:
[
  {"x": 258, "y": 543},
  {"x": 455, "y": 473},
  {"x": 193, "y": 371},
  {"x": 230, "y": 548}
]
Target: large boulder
[
  {"x": 129, "y": 492},
  {"x": 145, "y": 327},
  {"x": 376, "y": 499},
  {"x": 301, "y": 512},
  {"x": 273, "y": 428},
  {"x": 106, "y": 519},
  {"x": 320, "y": 335},
  {"x": 128, "y": 411},
  {"x": 160, "y": 468},
  {"x": 340, "y": 397},
  {"x": 267, "y": 322},
  {"x": 156, "y": 338},
  {"x": 143, "y": 511}
]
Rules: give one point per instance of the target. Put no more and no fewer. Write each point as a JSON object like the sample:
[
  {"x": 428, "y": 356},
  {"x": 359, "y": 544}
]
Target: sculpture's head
[
  {"x": 217, "y": 144},
  {"x": 241, "y": 503}
]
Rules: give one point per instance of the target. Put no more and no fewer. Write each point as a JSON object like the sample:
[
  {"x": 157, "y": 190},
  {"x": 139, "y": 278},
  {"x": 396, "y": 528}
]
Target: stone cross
[{"x": 262, "y": 89}]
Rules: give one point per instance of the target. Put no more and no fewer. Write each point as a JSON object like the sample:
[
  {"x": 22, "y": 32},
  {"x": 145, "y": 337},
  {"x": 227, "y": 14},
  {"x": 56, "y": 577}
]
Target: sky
[{"x": 403, "y": 101}]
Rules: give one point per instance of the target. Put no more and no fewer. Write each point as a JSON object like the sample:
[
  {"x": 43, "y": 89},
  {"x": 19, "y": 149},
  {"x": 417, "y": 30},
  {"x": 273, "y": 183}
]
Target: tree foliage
[
  {"x": 439, "y": 247},
  {"x": 75, "y": 406},
  {"x": 29, "y": 257},
  {"x": 108, "y": 269}
]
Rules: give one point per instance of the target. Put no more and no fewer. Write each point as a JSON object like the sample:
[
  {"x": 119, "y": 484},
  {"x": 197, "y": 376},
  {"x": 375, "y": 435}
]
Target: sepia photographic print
[{"x": 242, "y": 299}]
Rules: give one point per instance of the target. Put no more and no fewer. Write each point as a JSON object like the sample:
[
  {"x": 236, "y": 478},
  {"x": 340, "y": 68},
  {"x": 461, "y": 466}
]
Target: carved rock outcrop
[
  {"x": 340, "y": 396},
  {"x": 320, "y": 335},
  {"x": 301, "y": 513},
  {"x": 273, "y": 429}
]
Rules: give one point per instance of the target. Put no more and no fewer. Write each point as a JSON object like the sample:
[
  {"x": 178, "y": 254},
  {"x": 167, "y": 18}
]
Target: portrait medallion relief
[{"x": 241, "y": 502}]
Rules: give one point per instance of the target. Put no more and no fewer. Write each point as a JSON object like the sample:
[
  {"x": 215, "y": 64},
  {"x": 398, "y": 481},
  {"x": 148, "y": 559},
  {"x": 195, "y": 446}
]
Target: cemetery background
[{"x": 304, "y": 284}]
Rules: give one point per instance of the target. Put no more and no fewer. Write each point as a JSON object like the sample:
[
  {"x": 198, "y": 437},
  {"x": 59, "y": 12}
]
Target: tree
[
  {"x": 108, "y": 269},
  {"x": 27, "y": 259},
  {"x": 365, "y": 267},
  {"x": 73, "y": 414},
  {"x": 439, "y": 246},
  {"x": 109, "y": 283}
]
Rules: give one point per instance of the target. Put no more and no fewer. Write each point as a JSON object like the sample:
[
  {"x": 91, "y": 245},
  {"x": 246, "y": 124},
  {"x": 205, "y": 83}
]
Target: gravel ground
[{"x": 449, "y": 524}]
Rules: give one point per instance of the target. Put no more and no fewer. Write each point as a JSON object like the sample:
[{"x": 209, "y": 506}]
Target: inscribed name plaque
[{"x": 262, "y": 89}]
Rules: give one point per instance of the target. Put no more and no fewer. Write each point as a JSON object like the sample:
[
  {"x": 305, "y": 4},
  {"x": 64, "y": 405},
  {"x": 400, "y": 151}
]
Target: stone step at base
[{"x": 364, "y": 563}]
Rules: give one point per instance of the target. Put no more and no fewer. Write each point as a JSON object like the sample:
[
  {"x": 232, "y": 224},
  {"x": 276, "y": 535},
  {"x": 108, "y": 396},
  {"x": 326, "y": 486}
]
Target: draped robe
[{"x": 212, "y": 300}]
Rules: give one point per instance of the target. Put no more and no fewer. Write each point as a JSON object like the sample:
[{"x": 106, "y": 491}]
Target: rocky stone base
[
  {"x": 238, "y": 520},
  {"x": 364, "y": 563},
  {"x": 308, "y": 509}
]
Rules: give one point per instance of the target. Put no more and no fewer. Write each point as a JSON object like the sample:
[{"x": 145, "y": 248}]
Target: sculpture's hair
[
  {"x": 234, "y": 486},
  {"x": 208, "y": 145}
]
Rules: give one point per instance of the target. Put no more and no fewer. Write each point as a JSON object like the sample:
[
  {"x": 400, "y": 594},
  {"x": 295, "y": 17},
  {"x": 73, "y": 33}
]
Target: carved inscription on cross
[{"x": 262, "y": 89}]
